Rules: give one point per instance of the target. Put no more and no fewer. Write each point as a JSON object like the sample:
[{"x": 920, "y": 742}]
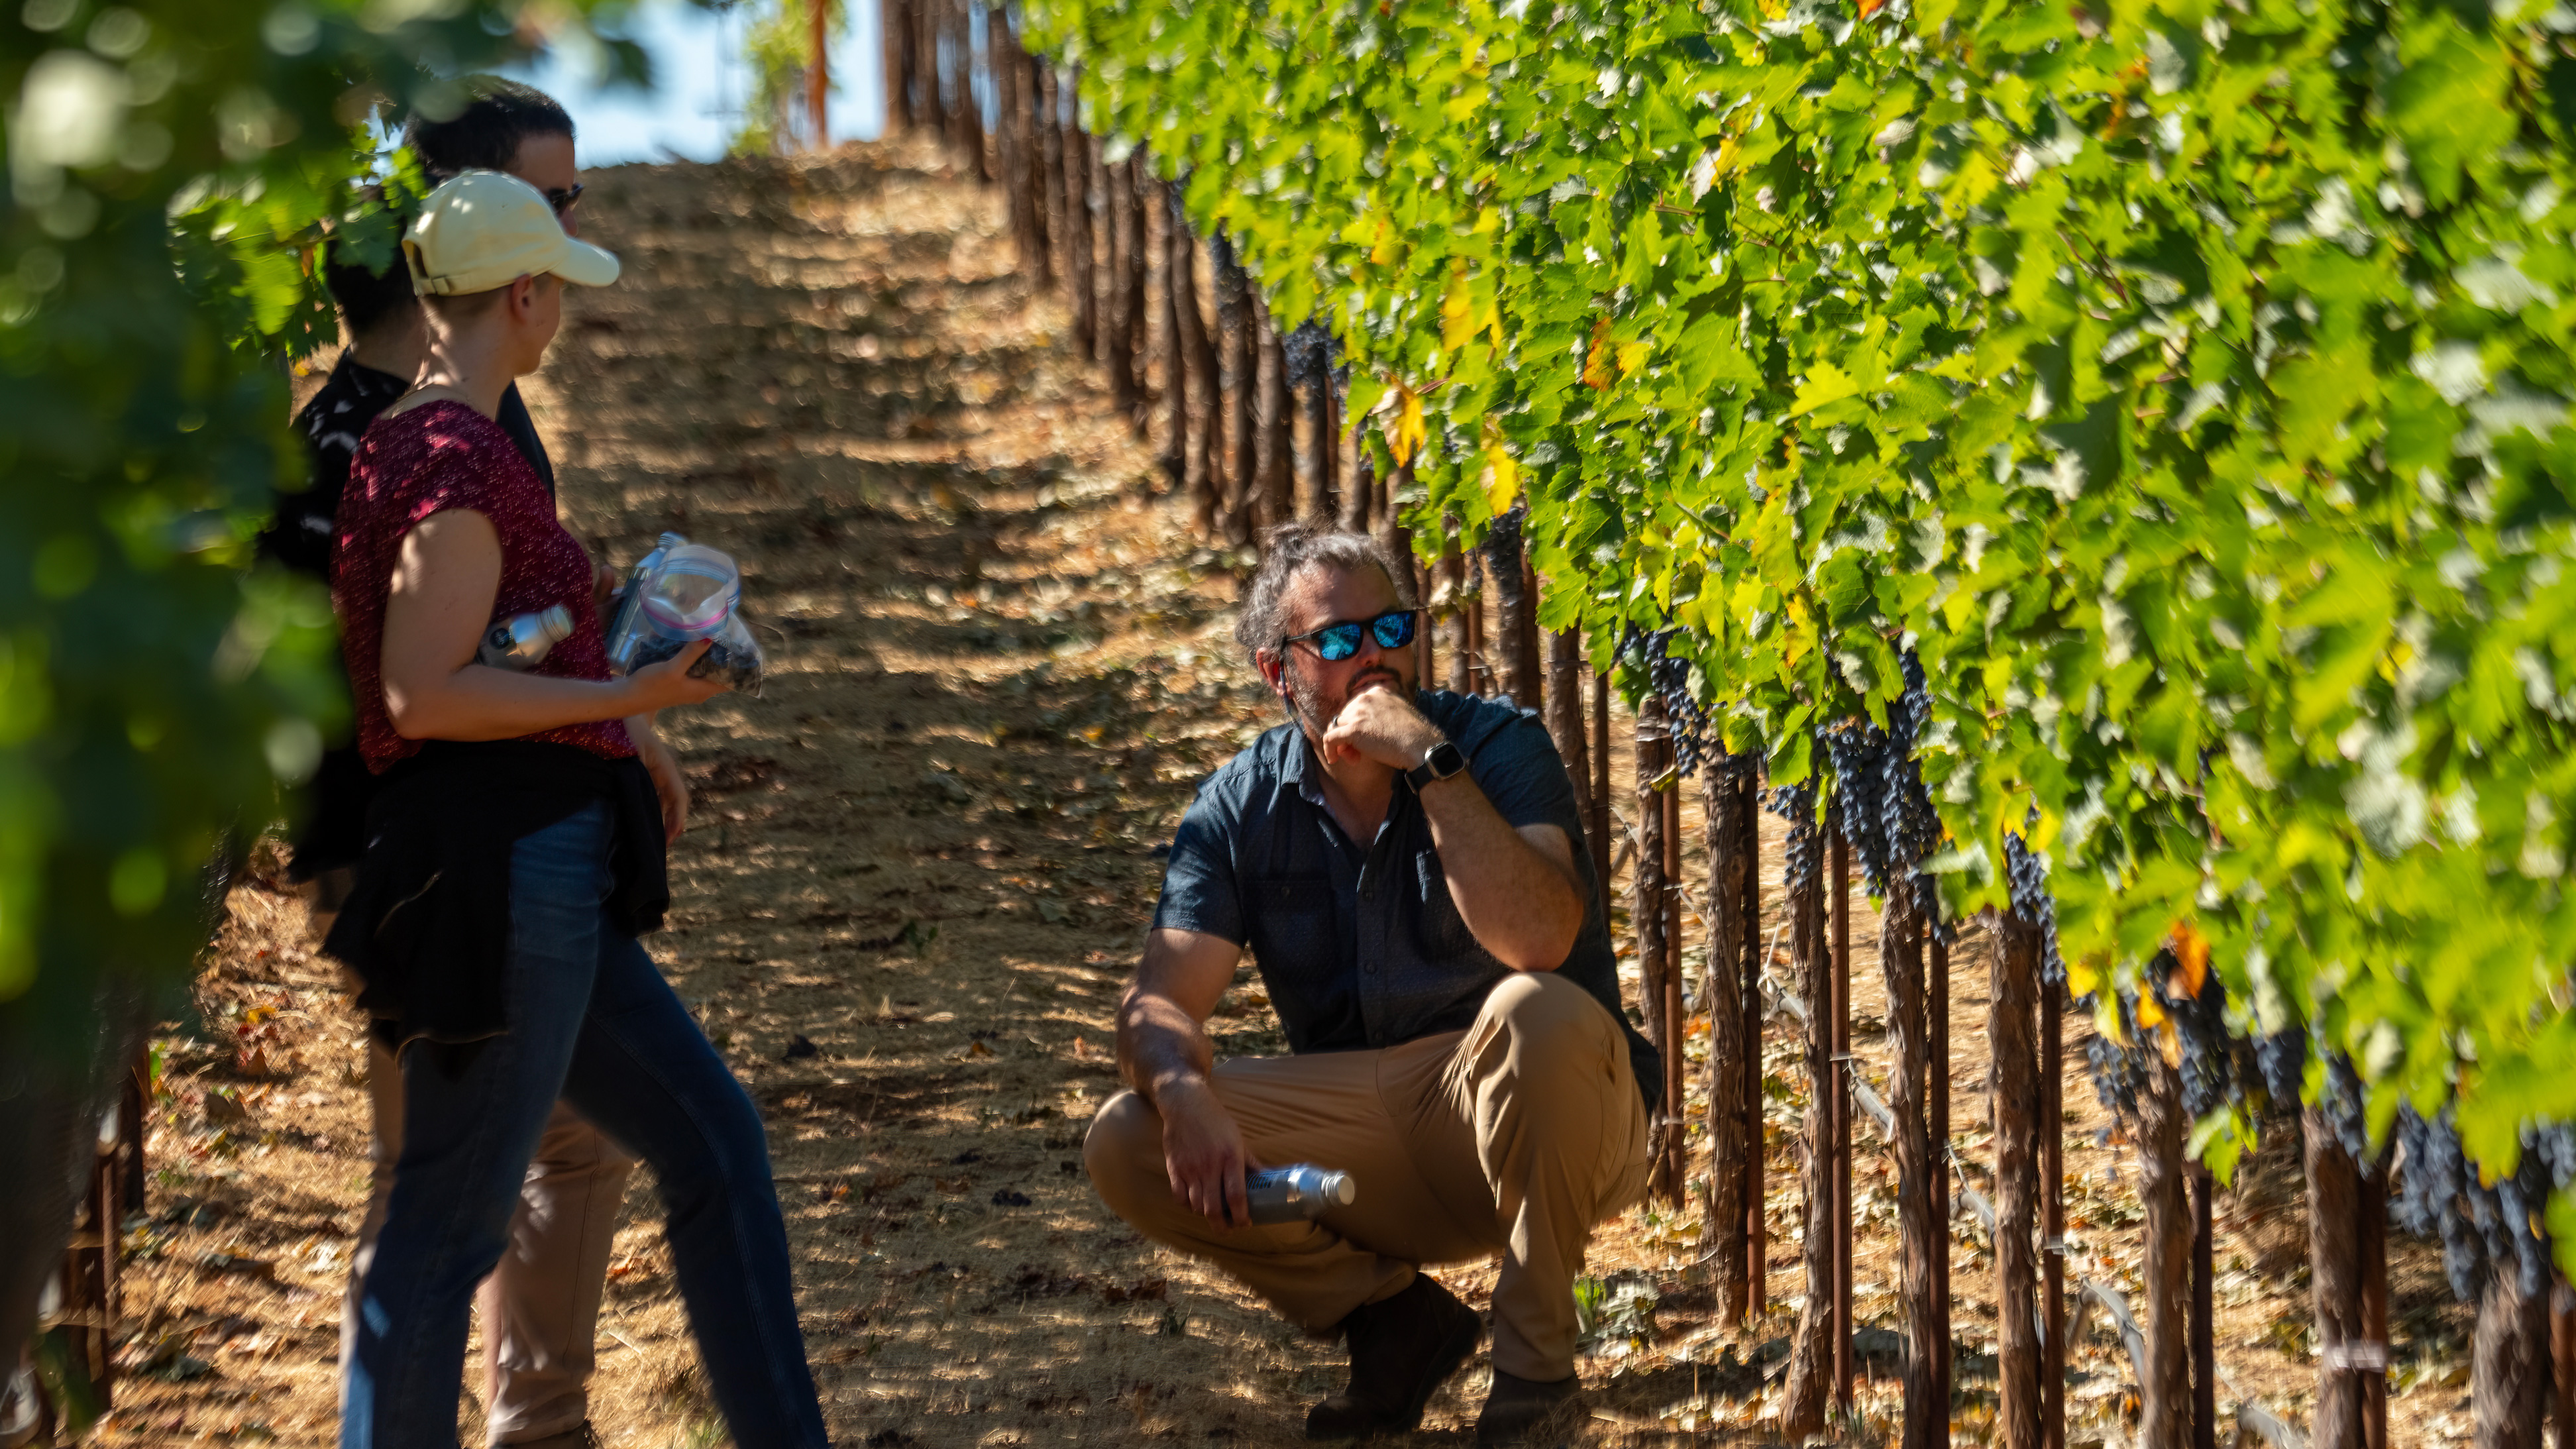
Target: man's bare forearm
[
  {"x": 1520, "y": 904},
  {"x": 1159, "y": 1044}
]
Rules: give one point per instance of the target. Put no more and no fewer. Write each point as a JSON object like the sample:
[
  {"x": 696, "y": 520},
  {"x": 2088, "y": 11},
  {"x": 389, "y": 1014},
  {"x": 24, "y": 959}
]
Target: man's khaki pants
[
  {"x": 1514, "y": 1136},
  {"x": 540, "y": 1307}
]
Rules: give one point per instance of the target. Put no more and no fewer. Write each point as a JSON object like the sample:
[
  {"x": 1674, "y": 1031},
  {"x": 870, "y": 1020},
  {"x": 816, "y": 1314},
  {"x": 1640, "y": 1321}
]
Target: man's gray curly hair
[{"x": 1290, "y": 550}]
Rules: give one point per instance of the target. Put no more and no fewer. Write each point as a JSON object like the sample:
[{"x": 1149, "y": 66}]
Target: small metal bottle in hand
[
  {"x": 519, "y": 642},
  {"x": 1294, "y": 1194}
]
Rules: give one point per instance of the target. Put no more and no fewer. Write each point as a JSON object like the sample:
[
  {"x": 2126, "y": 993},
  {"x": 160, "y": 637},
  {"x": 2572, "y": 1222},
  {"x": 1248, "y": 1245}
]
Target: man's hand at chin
[{"x": 1380, "y": 724}]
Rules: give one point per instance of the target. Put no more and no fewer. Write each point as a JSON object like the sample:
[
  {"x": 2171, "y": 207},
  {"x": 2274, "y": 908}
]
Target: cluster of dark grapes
[
  {"x": 1668, "y": 675},
  {"x": 1805, "y": 856},
  {"x": 1310, "y": 351},
  {"x": 2216, "y": 1065},
  {"x": 1228, "y": 273},
  {"x": 2281, "y": 1063},
  {"x": 2484, "y": 1228},
  {"x": 2026, "y": 874},
  {"x": 2340, "y": 1103}
]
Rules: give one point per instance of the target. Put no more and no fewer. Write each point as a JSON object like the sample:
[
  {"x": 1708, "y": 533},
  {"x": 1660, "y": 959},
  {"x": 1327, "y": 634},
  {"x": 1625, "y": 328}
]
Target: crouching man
[{"x": 1408, "y": 872}]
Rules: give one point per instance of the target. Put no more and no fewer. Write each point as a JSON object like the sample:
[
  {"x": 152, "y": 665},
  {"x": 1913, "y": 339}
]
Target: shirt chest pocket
[
  {"x": 1290, "y": 921},
  {"x": 1439, "y": 932}
]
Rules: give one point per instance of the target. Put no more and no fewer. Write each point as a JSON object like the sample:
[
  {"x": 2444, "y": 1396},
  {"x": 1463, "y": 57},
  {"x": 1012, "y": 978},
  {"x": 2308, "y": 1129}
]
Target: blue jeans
[{"x": 592, "y": 1022}]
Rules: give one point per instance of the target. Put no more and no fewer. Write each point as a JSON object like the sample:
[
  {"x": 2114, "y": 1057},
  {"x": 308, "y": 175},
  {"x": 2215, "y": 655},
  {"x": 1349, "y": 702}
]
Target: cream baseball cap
[{"x": 486, "y": 229}]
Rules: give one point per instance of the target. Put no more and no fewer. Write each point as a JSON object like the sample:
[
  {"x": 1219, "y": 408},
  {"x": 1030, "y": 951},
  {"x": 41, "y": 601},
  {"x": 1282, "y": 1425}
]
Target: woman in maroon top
[{"x": 514, "y": 855}]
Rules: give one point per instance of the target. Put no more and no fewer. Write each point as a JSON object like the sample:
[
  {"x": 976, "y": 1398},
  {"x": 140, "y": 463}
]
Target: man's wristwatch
[{"x": 1438, "y": 763}]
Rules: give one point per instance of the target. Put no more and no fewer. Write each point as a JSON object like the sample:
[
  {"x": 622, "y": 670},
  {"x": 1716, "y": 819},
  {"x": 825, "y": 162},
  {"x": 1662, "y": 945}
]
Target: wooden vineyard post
[
  {"x": 1234, "y": 294},
  {"x": 2164, "y": 1187},
  {"x": 1037, "y": 119},
  {"x": 1081, "y": 279},
  {"x": 2052, "y": 1197},
  {"x": 1564, "y": 716},
  {"x": 1116, "y": 298},
  {"x": 2373, "y": 1193},
  {"x": 818, "y": 75},
  {"x": 1753, "y": 962},
  {"x": 894, "y": 25},
  {"x": 2015, "y": 1085},
  {"x": 1399, "y": 541},
  {"x": 1724, "y": 1232},
  {"x": 2509, "y": 1372},
  {"x": 1278, "y": 463},
  {"x": 930, "y": 111},
  {"x": 1841, "y": 1220},
  {"x": 1515, "y": 614},
  {"x": 2334, "y": 1276},
  {"x": 1450, "y": 583},
  {"x": 1359, "y": 499},
  {"x": 2204, "y": 1347},
  {"x": 1937, "y": 1048},
  {"x": 1811, "y": 1354},
  {"x": 1176, "y": 355},
  {"x": 1676, "y": 1019},
  {"x": 1599, "y": 824},
  {"x": 1479, "y": 666},
  {"x": 2562, "y": 1360},
  {"x": 1196, "y": 345},
  {"x": 1646, "y": 906},
  {"x": 1920, "y": 1237},
  {"x": 1139, "y": 301},
  {"x": 967, "y": 111},
  {"x": 1011, "y": 130}
]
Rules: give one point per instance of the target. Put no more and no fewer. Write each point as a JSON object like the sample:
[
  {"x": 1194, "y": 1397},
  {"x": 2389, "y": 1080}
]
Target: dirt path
[{"x": 918, "y": 874}]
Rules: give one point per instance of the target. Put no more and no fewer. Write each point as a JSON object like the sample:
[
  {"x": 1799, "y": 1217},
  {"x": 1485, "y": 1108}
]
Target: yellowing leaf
[
  {"x": 1632, "y": 355},
  {"x": 2191, "y": 955},
  {"x": 2085, "y": 975},
  {"x": 1502, "y": 478},
  {"x": 1597, "y": 359},
  {"x": 1457, "y": 310},
  {"x": 1826, "y": 383},
  {"x": 2150, "y": 1013},
  {"x": 1404, "y": 431},
  {"x": 1384, "y": 251}
]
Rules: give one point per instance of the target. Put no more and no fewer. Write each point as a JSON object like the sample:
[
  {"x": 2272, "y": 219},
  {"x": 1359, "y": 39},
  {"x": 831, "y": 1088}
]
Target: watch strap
[{"x": 1438, "y": 763}]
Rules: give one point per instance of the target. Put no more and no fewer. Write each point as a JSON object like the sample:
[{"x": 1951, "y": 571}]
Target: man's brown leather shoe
[
  {"x": 1402, "y": 1349},
  {"x": 1516, "y": 1406}
]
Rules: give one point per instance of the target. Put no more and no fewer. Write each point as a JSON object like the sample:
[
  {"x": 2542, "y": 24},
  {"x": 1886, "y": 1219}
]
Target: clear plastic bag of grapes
[{"x": 679, "y": 593}]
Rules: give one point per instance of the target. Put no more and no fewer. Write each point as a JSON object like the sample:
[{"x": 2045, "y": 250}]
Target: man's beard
[{"x": 1317, "y": 713}]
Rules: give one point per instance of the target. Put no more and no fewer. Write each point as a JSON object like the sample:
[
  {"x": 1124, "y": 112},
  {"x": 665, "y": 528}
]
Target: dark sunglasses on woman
[
  {"x": 1337, "y": 642},
  {"x": 563, "y": 198}
]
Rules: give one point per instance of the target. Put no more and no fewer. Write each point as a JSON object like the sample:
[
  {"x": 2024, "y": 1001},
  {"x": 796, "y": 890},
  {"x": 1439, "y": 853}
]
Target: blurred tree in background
[{"x": 175, "y": 168}]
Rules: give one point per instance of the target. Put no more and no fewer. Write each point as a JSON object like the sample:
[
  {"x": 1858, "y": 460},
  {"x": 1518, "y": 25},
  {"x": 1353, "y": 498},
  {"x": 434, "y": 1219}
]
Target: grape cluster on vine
[
  {"x": 1668, "y": 677},
  {"x": 2215, "y": 1064},
  {"x": 1310, "y": 351},
  {"x": 1227, "y": 270},
  {"x": 2026, "y": 875},
  {"x": 2484, "y": 1227},
  {"x": 1803, "y": 859},
  {"x": 1879, "y": 802}
]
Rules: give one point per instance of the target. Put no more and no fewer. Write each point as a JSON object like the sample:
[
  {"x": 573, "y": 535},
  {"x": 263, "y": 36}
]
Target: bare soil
[{"x": 918, "y": 873}]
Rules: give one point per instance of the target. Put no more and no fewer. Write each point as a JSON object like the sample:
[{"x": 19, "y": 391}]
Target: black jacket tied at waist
[{"x": 427, "y": 925}]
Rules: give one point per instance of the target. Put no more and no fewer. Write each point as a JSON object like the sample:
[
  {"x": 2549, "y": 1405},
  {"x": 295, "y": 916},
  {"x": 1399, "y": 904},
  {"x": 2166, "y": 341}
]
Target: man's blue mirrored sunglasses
[{"x": 1337, "y": 642}]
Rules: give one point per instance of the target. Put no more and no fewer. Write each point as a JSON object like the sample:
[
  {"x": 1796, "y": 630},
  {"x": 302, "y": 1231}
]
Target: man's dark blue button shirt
[{"x": 1358, "y": 942}]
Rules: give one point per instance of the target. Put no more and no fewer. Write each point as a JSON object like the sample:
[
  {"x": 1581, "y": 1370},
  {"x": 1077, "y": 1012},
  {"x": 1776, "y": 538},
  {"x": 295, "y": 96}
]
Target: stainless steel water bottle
[
  {"x": 518, "y": 642},
  {"x": 1292, "y": 1194}
]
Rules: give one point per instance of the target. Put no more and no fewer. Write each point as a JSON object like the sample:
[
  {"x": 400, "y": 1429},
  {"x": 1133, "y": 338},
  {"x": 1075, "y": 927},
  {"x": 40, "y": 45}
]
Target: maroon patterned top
[{"x": 433, "y": 458}]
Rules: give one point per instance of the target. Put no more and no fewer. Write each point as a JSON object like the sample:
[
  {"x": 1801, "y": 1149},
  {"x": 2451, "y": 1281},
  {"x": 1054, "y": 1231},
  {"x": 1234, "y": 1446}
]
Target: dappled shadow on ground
[{"x": 918, "y": 873}]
